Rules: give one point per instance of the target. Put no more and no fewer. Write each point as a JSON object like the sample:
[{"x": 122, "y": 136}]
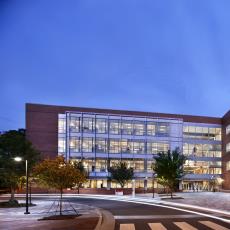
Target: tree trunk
[
  {"x": 12, "y": 197},
  {"x": 171, "y": 191},
  {"x": 78, "y": 189},
  {"x": 61, "y": 190}
]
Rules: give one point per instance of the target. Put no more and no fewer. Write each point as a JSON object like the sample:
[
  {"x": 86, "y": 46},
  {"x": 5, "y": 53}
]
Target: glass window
[
  {"x": 127, "y": 127},
  {"x": 88, "y": 125},
  {"x": 87, "y": 145},
  {"x": 228, "y": 165},
  {"x": 228, "y": 147},
  {"x": 151, "y": 128},
  {"x": 138, "y": 147},
  {"x": 101, "y": 125},
  {"x": 114, "y": 126},
  {"x": 101, "y": 145},
  {"x": 152, "y": 147},
  {"x": 138, "y": 128},
  {"x": 157, "y": 147},
  {"x": 75, "y": 124},
  {"x": 208, "y": 133},
  {"x": 218, "y": 134},
  {"x": 139, "y": 165},
  {"x": 228, "y": 129},
  {"x": 61, "y": 125},
  {"x": 61, "y": 145},
  {"x": 101, "y": 165},
  {"x": 126, "y": 146},
  {"x": 162, "y": 129},
  {"x": 75, "y": 144},
  {"x": 114, "y": 146}
]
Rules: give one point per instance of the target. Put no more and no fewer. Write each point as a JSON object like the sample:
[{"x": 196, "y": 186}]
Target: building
[{"x": 102, "y": 137}]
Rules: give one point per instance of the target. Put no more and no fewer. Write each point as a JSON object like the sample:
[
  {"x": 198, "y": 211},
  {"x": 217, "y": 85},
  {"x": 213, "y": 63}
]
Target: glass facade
[{"x": 101, "y": 140}]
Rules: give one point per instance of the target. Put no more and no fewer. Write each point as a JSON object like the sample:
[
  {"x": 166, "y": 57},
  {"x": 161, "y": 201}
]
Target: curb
[{"x": 106, "y": 220}]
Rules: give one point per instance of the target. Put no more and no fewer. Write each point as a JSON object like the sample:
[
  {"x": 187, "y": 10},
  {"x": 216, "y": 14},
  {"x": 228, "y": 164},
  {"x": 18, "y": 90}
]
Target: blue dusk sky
[{"x": 153, "y": 55}]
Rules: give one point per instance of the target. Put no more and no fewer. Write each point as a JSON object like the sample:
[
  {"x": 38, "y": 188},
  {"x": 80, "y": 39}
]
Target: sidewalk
[
  {"x": 14, "y": 218},
  {"x": 213, "y": 200}
]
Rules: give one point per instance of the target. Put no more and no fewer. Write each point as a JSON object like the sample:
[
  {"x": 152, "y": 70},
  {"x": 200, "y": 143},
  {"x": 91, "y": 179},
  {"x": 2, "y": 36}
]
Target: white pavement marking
[
  {"x": 184, "y": 226},
  {"x": 157, "y": 226},
  {"x": 213, "y": 225},
  {"x": 127, "y": 227},
  {"x": 144, "y": 217}
]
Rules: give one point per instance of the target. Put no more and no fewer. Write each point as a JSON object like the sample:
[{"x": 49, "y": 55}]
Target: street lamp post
[
  {"x": 154, "y": 174},
  {"x": 27, "y": 190}
]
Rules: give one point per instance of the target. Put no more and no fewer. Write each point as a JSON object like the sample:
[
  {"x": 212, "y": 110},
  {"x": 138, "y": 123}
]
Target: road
[{"x": 132, "y": 216}]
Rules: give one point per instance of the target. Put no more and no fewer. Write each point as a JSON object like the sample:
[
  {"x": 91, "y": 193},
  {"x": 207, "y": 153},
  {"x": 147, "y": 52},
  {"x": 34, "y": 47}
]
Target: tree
[
  {"x": 121, "y": 173},
  {"x": 58, "y": 174},
  {"x": 83, "y": 178},
  {"x": 169, "y": 168},
  {"x": 14, "y": 144}
]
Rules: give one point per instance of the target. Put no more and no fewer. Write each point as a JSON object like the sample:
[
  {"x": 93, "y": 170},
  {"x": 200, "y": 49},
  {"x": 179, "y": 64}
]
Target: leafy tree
[
  {"x": 58, "y": 174},
  {"x": 169, "y": 168},
  {"x": 83, "y": 178},
  {"x": 14, "y": 144},
  {"x": 121, "y": 173}
]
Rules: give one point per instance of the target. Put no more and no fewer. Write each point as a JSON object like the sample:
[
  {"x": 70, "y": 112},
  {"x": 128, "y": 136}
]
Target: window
[
  {"x": 101, "y": 125},
  {"x": 114, "y": 127},
  {"x": 87, "y": 145},
  {"x": 139, "y": 128},
  {"x": 88, "y": 125},
  {"x": 202, "y": 150},
  {"x": 75, "y": 124},
  {"x": 101, "y": 145},
  {"x": 61, "y": 125},
  {"x": 139, "y": 165},
  {"x": 227, "y": 129},
  {"x": 157, "y": 147},
  {"x": 228, "y": 147},
  {"x": 75, "y": 144},
  {"x": 61, "y": 145},
  {"x": 207, "y": 133},
  {"x": 114, "y": 146},
  {"x": 228, "y": 165},
  {"x": 151, "y": 128},
  {"x": 162, "y": 129},
  {"x": 127, "y": 127},
  {"x": 138, "y": 147},
  {"x": 126, "y": 146}
]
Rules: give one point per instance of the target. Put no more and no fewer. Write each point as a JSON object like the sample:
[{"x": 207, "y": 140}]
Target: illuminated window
[
  {"x": 75, "y": 144},
  {"x": 101, "y": 145},
  {"x": 138, "y": 128},
  {"x": 228, "y": 129},
  {"x": 114, "y": 126},
  {"x": 87, "y": 145},
  {"x": 138, "y": 147},
  {"x": 114, "y": 146},
  {"x": 88, "y": 125},
  {"x": 61, "y": 145},
  {"x": 228, "y": 147},
  {"x": 101, "y": 125},
  {"x": 151, "y": 128},
  {"x": 127, "y": 127},
  {"x": 61, "y": 125},
  {"x": 228, "y": 166},
  {"x": 75, "y": 124},
  {"x": 126, "y": 146}
]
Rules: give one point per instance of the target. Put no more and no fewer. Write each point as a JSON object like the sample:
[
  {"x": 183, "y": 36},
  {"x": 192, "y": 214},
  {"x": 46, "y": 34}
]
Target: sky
[{"x": 169, "y": 56}]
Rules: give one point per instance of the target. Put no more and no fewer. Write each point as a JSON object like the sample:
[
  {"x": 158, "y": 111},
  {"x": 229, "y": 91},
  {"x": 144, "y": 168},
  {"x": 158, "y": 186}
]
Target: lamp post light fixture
[{"x": 18, "y": 159}]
